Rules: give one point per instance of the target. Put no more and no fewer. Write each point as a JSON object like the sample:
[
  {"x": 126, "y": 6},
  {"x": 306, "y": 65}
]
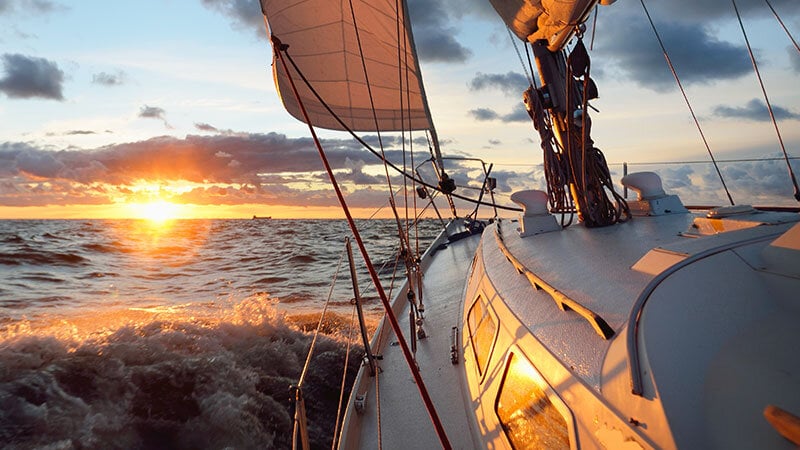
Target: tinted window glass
[
  {"x": 528, "y": 417},
  {"x": 481, "y": 332}
]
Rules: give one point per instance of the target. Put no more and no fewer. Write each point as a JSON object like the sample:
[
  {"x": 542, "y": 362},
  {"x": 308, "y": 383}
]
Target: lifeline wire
[
  {"x": 344, "y": 380},
  {"x": 769, "y": 105}
]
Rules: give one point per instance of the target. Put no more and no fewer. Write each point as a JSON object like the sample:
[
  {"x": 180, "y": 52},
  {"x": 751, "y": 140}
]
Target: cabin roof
[{"x": 603, "y": 269}]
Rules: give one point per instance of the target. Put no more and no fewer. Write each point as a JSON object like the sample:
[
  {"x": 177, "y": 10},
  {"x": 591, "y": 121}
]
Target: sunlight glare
[{"x": 158, "y": 211}]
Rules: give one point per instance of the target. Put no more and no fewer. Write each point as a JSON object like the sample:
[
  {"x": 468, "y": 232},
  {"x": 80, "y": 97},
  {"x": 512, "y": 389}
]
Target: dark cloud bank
[{"x": 235, "y": 168}]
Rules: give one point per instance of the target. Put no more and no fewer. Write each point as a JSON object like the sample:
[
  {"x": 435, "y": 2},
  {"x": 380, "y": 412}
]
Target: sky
[{"x": 106, "y": 110}]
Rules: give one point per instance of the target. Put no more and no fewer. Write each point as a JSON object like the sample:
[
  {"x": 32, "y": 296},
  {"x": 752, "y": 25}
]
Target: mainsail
[
  {"x": 550, "y": 20},
  {"x": 332, "y": 56}
]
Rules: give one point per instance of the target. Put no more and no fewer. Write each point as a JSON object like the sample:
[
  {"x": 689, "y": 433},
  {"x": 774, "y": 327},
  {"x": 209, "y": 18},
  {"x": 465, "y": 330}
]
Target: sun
[{"x": 158, "y": 211}]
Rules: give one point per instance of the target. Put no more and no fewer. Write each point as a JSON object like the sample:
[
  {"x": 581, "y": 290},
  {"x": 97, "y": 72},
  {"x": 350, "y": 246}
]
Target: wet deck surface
[{"x": 404, "y": 421}]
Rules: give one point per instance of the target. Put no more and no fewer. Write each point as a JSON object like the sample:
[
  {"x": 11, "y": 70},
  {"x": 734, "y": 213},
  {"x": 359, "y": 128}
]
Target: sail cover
[
  {"x": 323, "y": 43},
  {"x": 552, "y": 20}
]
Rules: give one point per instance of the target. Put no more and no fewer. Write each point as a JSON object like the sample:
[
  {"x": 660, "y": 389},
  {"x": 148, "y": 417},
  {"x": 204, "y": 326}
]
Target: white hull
[{"x": 711, "y": 319}]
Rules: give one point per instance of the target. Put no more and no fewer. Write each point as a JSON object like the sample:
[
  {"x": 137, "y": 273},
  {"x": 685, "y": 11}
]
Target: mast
[{"x": 578, "y": 178}]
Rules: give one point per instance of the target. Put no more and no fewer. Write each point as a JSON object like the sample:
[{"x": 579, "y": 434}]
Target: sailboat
[{"x": 587, "y": 320}]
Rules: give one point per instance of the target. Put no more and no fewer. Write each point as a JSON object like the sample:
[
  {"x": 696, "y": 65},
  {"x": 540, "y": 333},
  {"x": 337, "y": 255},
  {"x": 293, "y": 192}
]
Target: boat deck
[
  {"x": 580, "y": 266},
  {"x": 594, "y": 267},
  {"x": 400, "y": 401}
]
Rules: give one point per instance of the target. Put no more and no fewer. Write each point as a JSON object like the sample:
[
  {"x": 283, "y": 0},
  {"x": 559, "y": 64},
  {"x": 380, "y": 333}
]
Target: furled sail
[
  {"x": 551, "y": 20},
  {"x": 327, "y": 50}
]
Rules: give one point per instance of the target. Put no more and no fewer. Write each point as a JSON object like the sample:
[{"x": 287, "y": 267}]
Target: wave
[
  {"x": 302, "y": 259},
  {"x": 38, "y": 257},
  {"x": 186, "y": 376},
  {"x": 272, "y": 280},
  {"x": 12, "y": 239},
  {"x": 113, "y": 247}
]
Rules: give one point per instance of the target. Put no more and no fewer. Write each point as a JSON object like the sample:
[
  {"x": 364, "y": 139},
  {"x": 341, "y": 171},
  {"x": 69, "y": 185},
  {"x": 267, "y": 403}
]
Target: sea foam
[{"x": 187, "y": 376}]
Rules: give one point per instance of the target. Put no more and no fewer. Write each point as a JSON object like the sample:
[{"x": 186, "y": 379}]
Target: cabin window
[
  {"x": 482, "y": 328},
  {"x": 529, "y": 419}
]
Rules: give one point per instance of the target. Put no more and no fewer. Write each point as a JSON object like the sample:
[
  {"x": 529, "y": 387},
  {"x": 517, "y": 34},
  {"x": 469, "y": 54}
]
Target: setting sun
[{"x": 157, "y": 211}]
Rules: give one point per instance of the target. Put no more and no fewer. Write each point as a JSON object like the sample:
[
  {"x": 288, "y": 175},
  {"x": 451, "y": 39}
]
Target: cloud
[
  {"x": 71, "y": 133},
  {"x": 518, "y": 114},
  {"x": 265, "y": 162},
  {"x": 274, "y": 169},
  {"x": 109, "y": 79},
  {"x": 205, "y": 127},
  {"x": 794, "y": 58},
  {"x": 484, "y": 114},
  {"x": 755, "y": 110},
  {"x": 705, "y": 11},
  {"x": 244, "y": 14},
  {"x": 29, "y": 6},
  {"x": 511, "y": 84},
  {"x": 435, "y": 25},
  {"x": 31, "y": 77},
  {"x": 356, "y": 175},
  {"x": 154, "y": 112},
  {"x": 228, "y": 169},
  {"x": 755, "y": 182},
  {"x": 698, "y": 55},
  {"x": 434, "y": 32}
]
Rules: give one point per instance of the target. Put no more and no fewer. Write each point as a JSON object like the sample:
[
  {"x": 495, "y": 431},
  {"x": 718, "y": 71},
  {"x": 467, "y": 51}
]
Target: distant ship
[{"x": 262, "y": 217}]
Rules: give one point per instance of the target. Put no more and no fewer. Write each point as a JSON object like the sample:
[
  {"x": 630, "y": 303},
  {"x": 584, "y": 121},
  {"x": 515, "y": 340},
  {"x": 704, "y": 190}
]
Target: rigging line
[
  {"x": 281, "y": 50},
  {"x": 392, "y": 203},
  {"x": 379, "y": 427},
  {"x": 654, "y": 163},
  {"x": 686, "y": 99},
  {"x": 402, "y": 63},
  {"x": 380, "y": 342},
  {"x": 530, "y": 64},
  {"x": 319, "y": 324},
  {"x": 769, "y": 105},
  {"x": 407, "y": 92},
  {"x": 298, "y": 430},
  {"x": 782, "y": 25},
  {"x": 371, "y": 97},
  {"x": 594, "y": 26},
  {"x": 343, "y": 386},
  {"x": 519, "y": 55},
  {"x": 440, "y": 173},
  {"x": 374, "y": 213},
  {"x": 361, "y": 141}
]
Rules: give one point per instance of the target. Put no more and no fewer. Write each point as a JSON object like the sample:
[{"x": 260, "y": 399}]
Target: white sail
[
  {"x": 323, "y": 43},
  {"x": 552, "y": 20}
]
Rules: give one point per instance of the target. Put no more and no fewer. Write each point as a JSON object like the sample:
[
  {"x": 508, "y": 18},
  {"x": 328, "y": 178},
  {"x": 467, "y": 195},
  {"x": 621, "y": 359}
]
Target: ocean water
[{"x": 184, "y": 334}]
